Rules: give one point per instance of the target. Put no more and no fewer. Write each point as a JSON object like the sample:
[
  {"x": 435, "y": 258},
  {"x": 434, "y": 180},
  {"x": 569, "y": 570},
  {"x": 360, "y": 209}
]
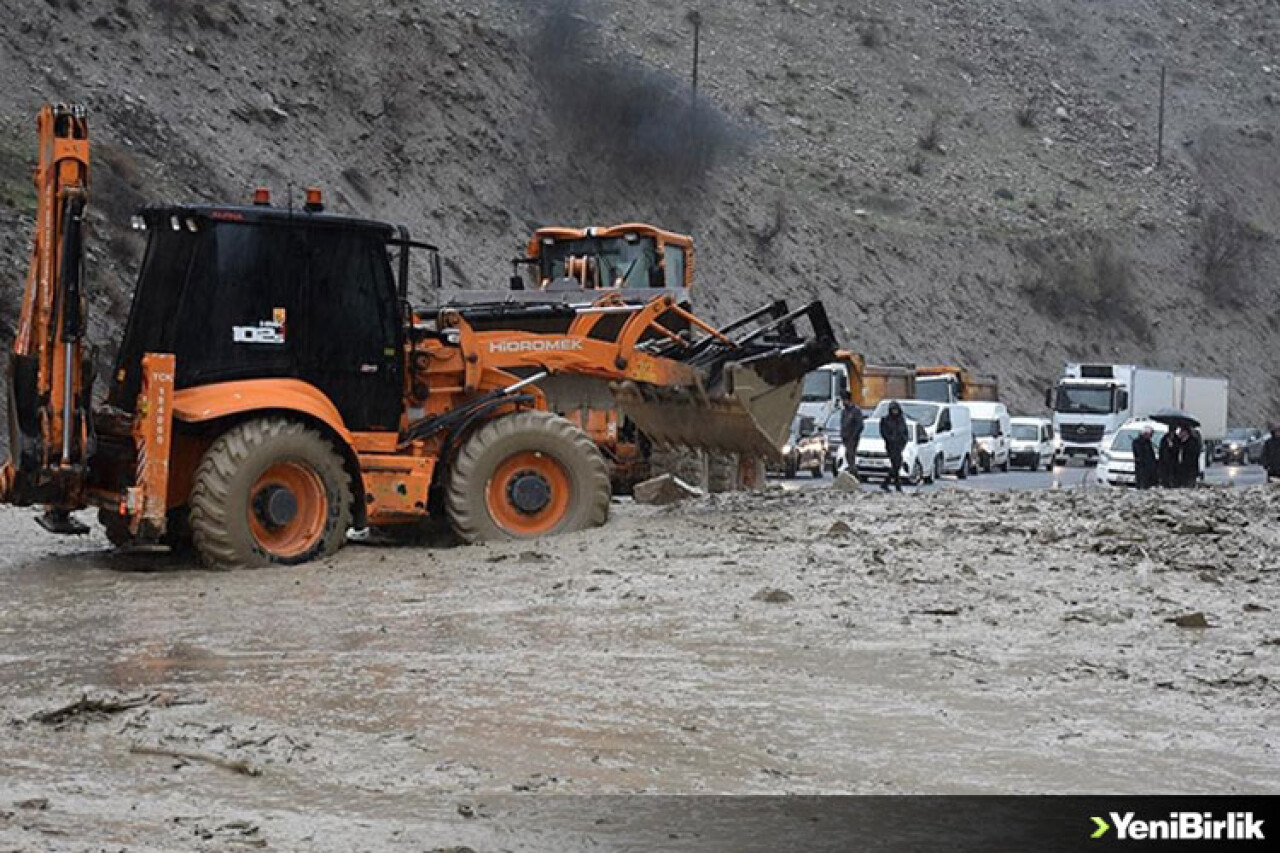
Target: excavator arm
[{"x": 50, "y": 382}]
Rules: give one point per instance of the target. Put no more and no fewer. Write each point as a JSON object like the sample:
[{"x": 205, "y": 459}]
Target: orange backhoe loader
[{"x": 273, "y": 387}]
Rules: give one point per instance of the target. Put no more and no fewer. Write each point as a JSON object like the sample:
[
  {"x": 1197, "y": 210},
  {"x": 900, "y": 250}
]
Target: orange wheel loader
[{"x": 273, "y": 387}]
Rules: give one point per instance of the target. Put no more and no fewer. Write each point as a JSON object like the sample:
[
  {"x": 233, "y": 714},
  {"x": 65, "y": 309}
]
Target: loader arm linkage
[{"x": 733, "y": 389}]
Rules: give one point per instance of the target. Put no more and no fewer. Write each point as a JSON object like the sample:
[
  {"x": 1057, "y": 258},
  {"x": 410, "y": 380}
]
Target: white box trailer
[
  {"x": 1151, "y": 390},
  {"x": 1205, "y": 398}
]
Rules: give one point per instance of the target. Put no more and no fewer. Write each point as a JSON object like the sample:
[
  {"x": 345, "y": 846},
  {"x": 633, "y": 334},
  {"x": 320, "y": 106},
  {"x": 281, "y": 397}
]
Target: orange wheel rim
[
  {"x": 528, "y": 494},
  {"x": 287, "y": 509}
]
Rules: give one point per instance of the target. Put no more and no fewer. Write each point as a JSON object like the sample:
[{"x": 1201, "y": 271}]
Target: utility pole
[
  {"x": 1160, "y": 129},
  {"x": 695, "y": 17}
]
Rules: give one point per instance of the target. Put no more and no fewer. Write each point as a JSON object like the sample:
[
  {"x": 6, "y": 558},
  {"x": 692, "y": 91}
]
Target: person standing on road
[
  {"x": 1144, "y": 460},
  {"x": 1188, "y": 457},
  {"x": 893, "y": 429},
  {"x": 850, "y": 428},
  {"x": 1168, "y": 462},
  {"x": 1271, "y": 454}
]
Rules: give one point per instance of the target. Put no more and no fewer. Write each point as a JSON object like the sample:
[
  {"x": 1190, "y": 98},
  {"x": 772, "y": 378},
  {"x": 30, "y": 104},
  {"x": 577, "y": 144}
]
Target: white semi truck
[{"x": 1094, "y": 400}]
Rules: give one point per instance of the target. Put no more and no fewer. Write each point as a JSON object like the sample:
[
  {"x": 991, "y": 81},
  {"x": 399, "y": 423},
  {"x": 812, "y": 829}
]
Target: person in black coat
[
  {"x": 850, "y": 429},
  {"x": 1188, "y": 457},
  {"x": 1168, "y": 461},
  {"x": 1271, "y": 454},
  {"x": 893, "y": 429},
  {"x": 1144, "y": 460}
]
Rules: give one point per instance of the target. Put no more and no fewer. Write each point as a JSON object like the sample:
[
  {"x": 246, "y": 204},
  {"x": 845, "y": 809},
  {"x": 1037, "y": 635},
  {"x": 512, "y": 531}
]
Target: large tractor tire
[
  {"x": 269, "y": 491},
  {"x": 527, "y": 475}
]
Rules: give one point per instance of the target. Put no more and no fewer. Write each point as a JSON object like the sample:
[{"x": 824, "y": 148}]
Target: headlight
[{"x": 786, "y": 449}]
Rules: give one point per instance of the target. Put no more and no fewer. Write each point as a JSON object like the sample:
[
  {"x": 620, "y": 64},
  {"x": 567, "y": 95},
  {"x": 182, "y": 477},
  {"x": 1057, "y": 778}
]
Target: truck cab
[
  {"x": 825, "y": 388},
  {"x": 1093, "y": 400}
]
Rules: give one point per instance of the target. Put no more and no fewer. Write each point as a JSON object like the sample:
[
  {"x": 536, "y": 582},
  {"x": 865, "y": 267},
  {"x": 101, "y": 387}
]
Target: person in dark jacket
[
  {"x": 1189, "y": 448},
  {"x": 850, "y": 429},
  {"x": 1167, "y": 465},
  {"x": 893, "y": 429},
  {"x": 1271, "y": 454},
  {"x": 1144, "y": 460}
]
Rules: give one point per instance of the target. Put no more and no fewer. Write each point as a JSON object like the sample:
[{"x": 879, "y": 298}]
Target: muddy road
[{"x": 787, "y": 642}]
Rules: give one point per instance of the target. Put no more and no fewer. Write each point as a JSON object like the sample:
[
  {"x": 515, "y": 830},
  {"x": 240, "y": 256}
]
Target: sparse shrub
[
  {"x": 930, "y": 139},
  {"x": 916, "y": 166},
  {"x": 1028, "y": 115},
  {"x": 1085, "y": 280},
  {"x": 869, "y": 35},
  {"x": 1225, "y": 249}
]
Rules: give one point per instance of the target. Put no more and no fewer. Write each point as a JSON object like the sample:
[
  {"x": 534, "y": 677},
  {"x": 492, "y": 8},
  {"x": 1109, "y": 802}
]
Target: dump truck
[
  {"x": 952, "y": 384},
  {"x": 273, "y": 387},
  {"x": 866, "y": 384}
]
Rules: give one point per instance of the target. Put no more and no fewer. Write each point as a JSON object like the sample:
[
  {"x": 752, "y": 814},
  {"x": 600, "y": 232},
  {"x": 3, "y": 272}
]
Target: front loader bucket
[
  {"x": 753, "y": 418},
  {"x": 749, "y": 397}
]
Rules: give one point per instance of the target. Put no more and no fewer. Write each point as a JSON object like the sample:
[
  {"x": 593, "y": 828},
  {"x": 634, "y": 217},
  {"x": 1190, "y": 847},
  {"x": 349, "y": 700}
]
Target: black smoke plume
[{"x": 616, "y": 107}]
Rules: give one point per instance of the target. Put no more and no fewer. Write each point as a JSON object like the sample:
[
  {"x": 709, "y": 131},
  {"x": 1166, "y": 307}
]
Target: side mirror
[
  {"x": 1048, "y": 398},
  {"x": 437, "y": 276},
  {"x": 1122, "y": 400},
  {"x": 517, "y": 282},
  {"x": 657, "y": 278}
]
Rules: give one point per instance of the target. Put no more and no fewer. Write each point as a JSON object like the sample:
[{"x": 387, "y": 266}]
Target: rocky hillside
[{"x": 971, "y": 182}]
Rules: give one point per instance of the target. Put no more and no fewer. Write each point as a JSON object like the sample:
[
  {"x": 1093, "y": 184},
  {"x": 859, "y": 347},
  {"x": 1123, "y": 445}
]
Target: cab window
[{"x": 673, "y": 257}]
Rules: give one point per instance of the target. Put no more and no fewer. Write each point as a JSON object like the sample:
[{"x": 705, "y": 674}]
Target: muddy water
[{"x": 947, "y": 643}]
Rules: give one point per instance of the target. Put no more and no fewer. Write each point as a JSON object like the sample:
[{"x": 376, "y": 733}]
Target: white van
[
  {"x": 950, "y": 426},
  {"x": 1031, "y": 444},
  {"x": 992, "y": 434}
]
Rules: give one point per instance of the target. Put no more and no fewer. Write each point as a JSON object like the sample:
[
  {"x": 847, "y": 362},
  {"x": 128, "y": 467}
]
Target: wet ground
[{"x": 787, "y": 642}]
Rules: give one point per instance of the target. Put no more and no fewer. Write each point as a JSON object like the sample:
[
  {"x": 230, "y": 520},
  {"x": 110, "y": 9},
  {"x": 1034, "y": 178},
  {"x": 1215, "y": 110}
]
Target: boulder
[
  {"x": 846, "y": 482},
  {"x": 663, "y": 490}
]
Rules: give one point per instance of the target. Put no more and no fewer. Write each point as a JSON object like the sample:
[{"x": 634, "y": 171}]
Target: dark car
[
  {"x": 805, "y": 449},
  {"x": 1235, "y": 448}
]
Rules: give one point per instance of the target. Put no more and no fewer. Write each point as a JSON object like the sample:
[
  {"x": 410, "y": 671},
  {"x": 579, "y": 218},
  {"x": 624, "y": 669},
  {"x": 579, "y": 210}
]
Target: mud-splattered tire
[
  {"x": 269, "y": 491},
  {"x": 527, "y": 475}
]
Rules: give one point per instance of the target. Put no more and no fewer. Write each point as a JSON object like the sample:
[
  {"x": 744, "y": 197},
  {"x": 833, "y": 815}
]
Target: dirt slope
[{"x": 957, "y": 181}]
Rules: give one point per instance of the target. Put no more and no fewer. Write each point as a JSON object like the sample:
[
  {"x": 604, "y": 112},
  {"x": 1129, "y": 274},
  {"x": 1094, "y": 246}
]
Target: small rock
[
  {"x": 1061, "y": 112},
  {"x": 1193, "y": 528},
  {"x": 846, "y": 482},
  {"x": 664, "y": 490},
  {"x": 774, "y": 596},
  {"x": 1251, "y": 607},
  {"x": 839, "y": 528},
  {"x": 1190, "y": 620},
  {"x": 36, "y": 803}
]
